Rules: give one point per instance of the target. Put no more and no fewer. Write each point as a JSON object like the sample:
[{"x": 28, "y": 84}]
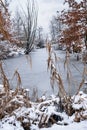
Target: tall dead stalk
[
  {"x": 19, "y": 82},
  {"x": 55, "y": 76},
  {"x": 5, "y": 81}
]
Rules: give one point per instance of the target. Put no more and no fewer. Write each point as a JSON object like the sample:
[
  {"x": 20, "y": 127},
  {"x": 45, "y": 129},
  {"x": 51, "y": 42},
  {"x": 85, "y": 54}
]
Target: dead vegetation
[
  {"x": 14, "y": 101},
  {"x": 56, "y": 77},
  {"x": 11, "y": 100},
  {"x": 17, "y": 103}
]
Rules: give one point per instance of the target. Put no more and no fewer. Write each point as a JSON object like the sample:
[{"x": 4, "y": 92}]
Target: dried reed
[
  {"x": 5, "y": 81},
  {"x": 19, "y": 82},
  {"x": 55, "y": 76},
  {"x": 29, "y": 60}
]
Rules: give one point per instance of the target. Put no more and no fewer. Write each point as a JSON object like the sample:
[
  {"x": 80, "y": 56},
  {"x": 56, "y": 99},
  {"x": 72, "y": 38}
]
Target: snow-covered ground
[
  {"x": 15, "y": 51},
  {"x": 9, "y": 50},
  {"x": 17, "y": 112},
  {"x": 17, "y": 126},
  {"x": 73, "y": 126}
]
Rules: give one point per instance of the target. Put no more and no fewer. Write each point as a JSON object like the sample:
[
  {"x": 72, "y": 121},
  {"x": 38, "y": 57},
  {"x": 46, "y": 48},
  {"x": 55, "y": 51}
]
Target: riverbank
[
  {"x": 8, "y": 50},
  {"x": 17, "y": 111}
]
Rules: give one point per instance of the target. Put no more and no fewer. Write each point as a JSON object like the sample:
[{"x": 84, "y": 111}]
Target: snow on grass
[
  {"x": 19, "y": 113},
  {"x": 80, "y": 101},
  {"x": 10, "y": 123},
  {"x": 74, "y": 126},
  {"x": 16, "y": 51}
]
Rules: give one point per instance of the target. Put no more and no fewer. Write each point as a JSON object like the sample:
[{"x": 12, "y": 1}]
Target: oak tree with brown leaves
[
  {"x": 75, "y": 21},
  {"x": 5, "y": 22}
]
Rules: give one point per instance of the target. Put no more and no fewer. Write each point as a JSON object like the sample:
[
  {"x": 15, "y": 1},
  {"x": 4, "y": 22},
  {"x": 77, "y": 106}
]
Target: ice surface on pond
[{"x": 35, "y": 75}]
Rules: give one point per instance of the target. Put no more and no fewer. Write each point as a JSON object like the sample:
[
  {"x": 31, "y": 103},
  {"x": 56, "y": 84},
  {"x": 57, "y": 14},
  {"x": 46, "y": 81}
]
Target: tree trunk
[
  {"x": 27, "y": 48},
  {"x": 86, "y": 41}
]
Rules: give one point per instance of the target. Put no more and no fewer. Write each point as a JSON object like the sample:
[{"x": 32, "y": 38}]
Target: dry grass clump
[
  {"x": 80, "y": 106},
  {"x": 12, "y": 100},
  {"x": 80, "y": 116},
  {"x": 17, "y": 103},
  {"x": 48, "y": 119},
  {"x": 56, "y": 77}
]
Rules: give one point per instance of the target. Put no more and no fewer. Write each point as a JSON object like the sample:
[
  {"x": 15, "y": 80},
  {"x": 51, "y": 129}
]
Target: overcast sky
[{"x": 46, "y": 9}]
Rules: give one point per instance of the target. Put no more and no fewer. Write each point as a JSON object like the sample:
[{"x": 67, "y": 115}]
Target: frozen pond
[{"x": 36, "y": 75}]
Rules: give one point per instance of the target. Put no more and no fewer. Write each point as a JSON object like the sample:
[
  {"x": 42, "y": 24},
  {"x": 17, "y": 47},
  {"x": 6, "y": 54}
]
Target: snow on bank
[
  {"x": 74, "y": 126},
  {"x": 15, "y": 51},
  {"x": 10, "y": 124},
  {"x": 80, "y": 101},
  {"x": 7, "y": 125},
  {"x": 17, "y": 126},
  {"x": 17, "y": 112},
  {"x": 9, "y": 50}
]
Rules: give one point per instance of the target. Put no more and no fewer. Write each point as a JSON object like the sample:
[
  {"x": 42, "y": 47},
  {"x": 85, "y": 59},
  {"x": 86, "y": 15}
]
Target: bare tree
[
  {"x": 39, "y": 37},
  {"x": 17, "y": 25},
  {"x": 29, "y": 22},
  {"x": 55, "y": 29},
  {"x": 40, "y": 31}
]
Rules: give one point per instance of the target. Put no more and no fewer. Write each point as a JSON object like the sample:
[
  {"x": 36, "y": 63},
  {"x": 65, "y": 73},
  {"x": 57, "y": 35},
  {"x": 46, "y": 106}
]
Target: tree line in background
[
  {"x": 22, "y": 28},
  {"x": 68, "y": 27}
]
